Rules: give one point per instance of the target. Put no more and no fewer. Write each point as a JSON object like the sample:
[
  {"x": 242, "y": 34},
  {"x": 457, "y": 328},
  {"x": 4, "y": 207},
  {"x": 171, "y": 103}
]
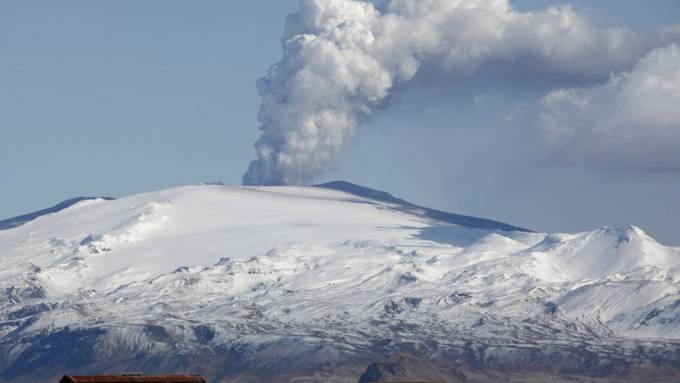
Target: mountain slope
[
  {"x": 22, "y": 219},
  {"x": 257, "y": 283},
  {"x": 456, "y": 219}
]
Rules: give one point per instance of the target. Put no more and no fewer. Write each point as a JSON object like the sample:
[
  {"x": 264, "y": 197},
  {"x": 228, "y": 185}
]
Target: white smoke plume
[
  {"x": 342, "y": 58},
  {"x": 631, "y": 121}
]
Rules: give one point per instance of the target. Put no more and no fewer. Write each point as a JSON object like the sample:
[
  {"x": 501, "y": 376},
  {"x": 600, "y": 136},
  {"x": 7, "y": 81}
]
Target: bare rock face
[{"x": 407, "y": 368}]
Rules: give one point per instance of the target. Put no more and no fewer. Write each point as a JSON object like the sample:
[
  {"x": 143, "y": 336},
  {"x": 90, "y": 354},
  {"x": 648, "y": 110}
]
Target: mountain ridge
[
  {"x": 459, "y": 219},
  {"x": 261, "y": 283},
  {"x": 8, "y": 223},
  {"x": 345, "y": 186}
]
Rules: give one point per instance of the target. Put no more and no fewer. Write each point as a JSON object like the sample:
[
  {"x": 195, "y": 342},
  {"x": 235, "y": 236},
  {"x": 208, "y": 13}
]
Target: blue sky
[{"x": 116, "y": 98}]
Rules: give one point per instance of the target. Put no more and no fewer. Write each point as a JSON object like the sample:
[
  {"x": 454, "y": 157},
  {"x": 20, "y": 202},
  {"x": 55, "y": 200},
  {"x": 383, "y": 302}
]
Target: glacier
[{"x": 317, "y": 282}]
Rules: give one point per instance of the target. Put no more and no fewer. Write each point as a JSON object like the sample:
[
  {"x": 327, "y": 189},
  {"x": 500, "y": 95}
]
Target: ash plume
[{"x": 342, "y": 58}]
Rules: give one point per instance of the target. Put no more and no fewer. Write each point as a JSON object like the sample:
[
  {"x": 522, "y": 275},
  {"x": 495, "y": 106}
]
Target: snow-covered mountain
[{"x": 257, "y": 283}]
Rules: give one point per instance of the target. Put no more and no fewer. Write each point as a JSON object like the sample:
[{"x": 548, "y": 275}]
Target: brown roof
[{"x": 132, "y": 379}]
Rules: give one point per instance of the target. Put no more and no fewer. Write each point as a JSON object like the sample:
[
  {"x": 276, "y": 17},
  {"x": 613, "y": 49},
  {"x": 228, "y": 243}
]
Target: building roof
[{"x": 132, "y": 379}]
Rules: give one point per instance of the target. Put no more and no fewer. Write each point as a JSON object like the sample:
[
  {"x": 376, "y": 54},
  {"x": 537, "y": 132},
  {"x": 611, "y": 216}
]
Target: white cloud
[
  {"x": 632, "y": 121},
  {"x": 342, "y": 58}
]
